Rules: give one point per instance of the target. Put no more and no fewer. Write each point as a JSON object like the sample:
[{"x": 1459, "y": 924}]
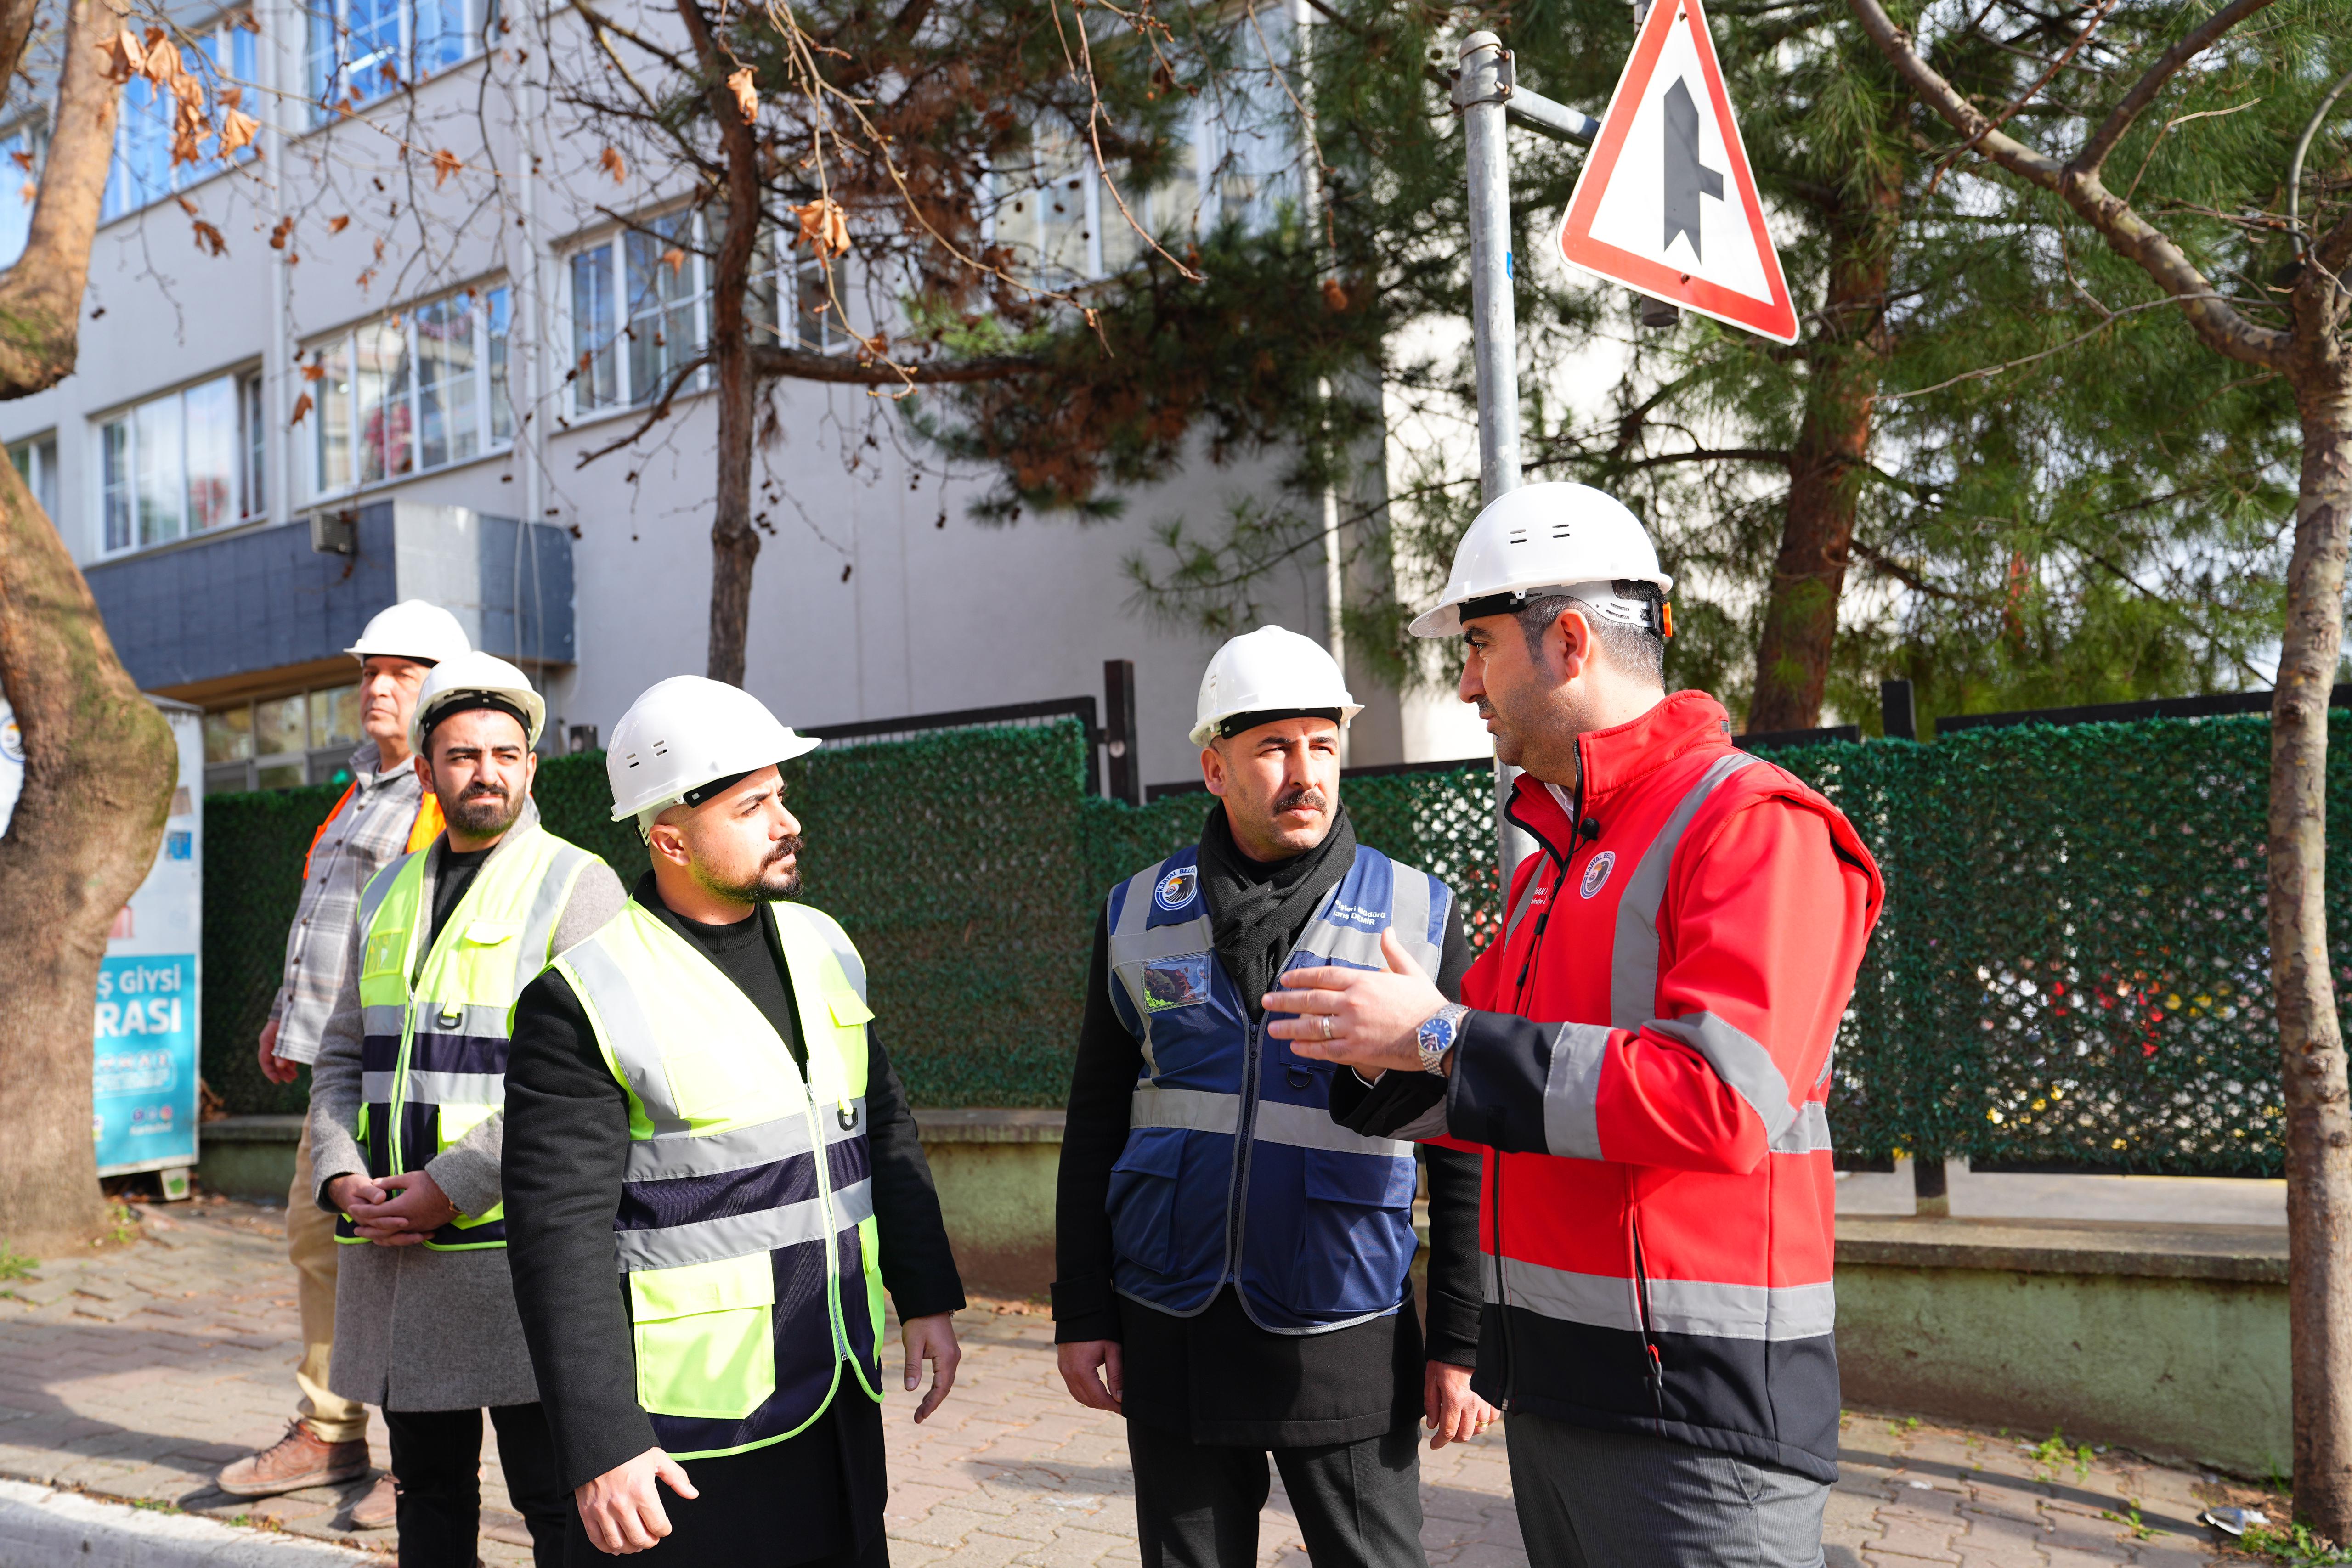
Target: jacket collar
[{"x": 1614, "y": 760}]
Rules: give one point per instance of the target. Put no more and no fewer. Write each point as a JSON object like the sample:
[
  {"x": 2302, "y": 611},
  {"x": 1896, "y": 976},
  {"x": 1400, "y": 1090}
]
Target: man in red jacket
[{"x": 1643, "y": 1054}]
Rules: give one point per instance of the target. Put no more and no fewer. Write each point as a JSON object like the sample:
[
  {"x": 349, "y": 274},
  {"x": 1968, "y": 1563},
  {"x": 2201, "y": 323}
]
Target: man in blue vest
[{"x": 1233, "y": 1267}]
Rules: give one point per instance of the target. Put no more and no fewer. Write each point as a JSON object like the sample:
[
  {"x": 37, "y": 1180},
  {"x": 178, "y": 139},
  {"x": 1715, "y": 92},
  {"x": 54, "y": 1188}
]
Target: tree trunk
[
  {"x": 100, "y": 763},
  {"x": 1800, "y": 615},
  {"x": 2311, "y": 1039},
  {"x": 40, "y": 295},
  {"x": 734, "y": 540}
]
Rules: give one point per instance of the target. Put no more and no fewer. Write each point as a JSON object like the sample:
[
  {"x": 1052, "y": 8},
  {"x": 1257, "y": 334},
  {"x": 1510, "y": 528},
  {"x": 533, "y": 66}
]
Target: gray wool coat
[{"x": 416, "y": 1329}]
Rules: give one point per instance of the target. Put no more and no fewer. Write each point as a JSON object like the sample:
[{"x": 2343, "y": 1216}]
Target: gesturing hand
[
  {"x": 931, "y": 1339},
  {"x": 1365, "y": 1018},
  {"x": 622, "y": 1508},
  {"x": 1092, "y": 1370}
]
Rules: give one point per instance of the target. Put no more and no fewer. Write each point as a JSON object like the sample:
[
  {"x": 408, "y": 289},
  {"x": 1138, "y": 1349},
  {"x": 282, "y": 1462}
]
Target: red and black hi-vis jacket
[{"x": 1647, "y": 1071}]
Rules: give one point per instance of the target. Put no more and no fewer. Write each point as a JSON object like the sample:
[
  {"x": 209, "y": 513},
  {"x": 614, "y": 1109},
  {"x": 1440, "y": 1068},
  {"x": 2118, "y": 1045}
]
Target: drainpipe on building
[{"x": 278, "y": 350}]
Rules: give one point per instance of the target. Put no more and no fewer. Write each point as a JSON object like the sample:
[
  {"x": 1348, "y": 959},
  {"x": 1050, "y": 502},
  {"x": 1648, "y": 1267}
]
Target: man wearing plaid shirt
[{"x": 383, "y": 815}]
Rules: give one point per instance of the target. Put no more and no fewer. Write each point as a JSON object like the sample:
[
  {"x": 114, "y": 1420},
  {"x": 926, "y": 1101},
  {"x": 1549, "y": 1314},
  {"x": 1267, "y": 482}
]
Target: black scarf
[{"x": 1256, "y": 910}]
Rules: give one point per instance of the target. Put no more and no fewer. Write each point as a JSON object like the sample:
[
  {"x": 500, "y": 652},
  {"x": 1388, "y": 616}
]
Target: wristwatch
[{"x": 1437, "y": 1034}]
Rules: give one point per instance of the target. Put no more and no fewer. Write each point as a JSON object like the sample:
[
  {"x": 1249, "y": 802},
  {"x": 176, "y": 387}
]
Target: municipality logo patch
[
  {"x": 1175, "y": 889},
  {"x": 1596, "y": 873}
]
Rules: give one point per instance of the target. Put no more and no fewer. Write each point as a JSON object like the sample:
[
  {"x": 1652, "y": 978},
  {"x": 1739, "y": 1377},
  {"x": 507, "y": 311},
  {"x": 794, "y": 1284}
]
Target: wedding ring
[{"x": 1327, "y": 1025}]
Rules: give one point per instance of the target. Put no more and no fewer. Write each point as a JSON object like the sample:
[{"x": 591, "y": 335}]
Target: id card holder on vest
[{"x": 1161, "y": 985}]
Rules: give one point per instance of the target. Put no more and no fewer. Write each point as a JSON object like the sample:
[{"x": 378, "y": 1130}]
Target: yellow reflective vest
[
  {"x": 746, "y": 1222},
  {"x": 436, "y": 1022}
]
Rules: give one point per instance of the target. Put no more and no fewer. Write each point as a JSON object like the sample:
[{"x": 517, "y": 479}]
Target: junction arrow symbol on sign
[{"x": 1666, "y": 203}]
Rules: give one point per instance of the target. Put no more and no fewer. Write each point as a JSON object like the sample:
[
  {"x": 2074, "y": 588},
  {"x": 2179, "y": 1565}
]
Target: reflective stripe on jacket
[
  {"x": 1651, "y": 1060},
  {"x": 1233, "y": 1169},
  {"x": 746, "y": 1226},
  {"x": 436, "y": 1022}
]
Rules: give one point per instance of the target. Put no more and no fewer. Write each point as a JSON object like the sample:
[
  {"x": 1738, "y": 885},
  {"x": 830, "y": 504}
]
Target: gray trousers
[
  {"x": 1620, "y": 1500},
  {"x": 1197, "y": 1504}
]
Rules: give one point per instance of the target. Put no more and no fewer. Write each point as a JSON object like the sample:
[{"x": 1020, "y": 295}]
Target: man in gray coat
[{"x": 407, "y": 1123}]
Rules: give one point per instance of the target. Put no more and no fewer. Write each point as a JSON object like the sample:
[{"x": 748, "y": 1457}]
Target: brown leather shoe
[
  {"x": 296, "y": 1460},
  {"x": 379, "y": 1509}
]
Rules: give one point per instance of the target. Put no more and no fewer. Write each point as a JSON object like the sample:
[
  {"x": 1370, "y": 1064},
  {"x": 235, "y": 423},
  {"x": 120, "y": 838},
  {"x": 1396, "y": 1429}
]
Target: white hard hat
[
  {"x": 1563, "y": 538},
  {"x": 686, "y": 732},
  {"x": 464, "y": 681},
  {"x": 1270, "y": 671},
  {"x": 412, "y": 628}
]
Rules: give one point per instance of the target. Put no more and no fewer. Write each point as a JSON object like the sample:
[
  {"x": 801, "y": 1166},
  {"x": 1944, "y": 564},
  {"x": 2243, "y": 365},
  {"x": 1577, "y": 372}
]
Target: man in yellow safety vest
[
  {"x": 406, "y": 1123},
  {"x": 694, "y": 1091}
]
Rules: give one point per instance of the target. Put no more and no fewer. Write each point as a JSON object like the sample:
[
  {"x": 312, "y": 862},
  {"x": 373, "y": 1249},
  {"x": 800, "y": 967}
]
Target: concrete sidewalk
[{"x": 134, "y": 1372}]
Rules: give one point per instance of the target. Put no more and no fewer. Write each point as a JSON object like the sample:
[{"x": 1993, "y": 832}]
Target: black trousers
[
  {"x": 437, "y": 1455},
  {"x": 1197, "y": 1504}
]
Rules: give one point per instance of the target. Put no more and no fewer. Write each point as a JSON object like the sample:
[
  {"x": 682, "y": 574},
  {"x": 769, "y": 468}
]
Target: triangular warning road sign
[{"x": 1666, "y": 203}]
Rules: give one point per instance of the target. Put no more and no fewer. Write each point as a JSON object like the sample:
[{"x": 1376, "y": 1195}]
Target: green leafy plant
[
  {"x": 2053, "y": 1453},
  {"x": 2294, "y": 1545},
  {"x": 15, "y": 1265}
]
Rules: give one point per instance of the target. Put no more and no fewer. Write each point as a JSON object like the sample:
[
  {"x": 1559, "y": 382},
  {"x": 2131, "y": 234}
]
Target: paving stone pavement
[{"x": 137, "y": 1371}]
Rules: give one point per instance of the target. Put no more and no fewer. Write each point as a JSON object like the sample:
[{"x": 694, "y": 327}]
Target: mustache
[
  {"x": 1305, "y": 798},
  {"x": 484, "y": 791},
  {"x": 786, "y": 848}
]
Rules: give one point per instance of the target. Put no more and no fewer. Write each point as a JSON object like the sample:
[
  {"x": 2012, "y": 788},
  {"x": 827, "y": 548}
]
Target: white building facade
[{"x": 427, "y": 313}]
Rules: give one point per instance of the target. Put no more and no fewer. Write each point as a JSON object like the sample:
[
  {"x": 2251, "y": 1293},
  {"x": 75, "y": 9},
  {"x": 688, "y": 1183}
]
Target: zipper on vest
[
  {"x": 1245, "y": 1143},
  {"x": 413, "y": 969}
]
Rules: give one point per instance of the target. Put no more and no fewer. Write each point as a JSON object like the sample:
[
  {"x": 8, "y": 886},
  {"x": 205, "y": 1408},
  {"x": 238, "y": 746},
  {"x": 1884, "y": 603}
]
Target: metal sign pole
[{"x": 1480, "y": 92}]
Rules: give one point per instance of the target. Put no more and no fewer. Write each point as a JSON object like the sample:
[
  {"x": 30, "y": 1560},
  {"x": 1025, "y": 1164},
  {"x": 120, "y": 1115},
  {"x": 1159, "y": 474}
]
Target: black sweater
[
  {"x": 1218, "y": 1377},
  {"x": 567, "y": 1139}
]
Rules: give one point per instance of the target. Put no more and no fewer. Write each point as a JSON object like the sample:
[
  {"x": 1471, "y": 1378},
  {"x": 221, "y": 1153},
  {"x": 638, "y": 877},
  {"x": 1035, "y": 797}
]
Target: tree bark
[
  {"x": 40, "y": 295},
  {"x": 2311, "y": 1039},
  {"x": 100, "y": 764},
  {"x": 1825, "y": 467},
  {"x": 734, "y": 540}
]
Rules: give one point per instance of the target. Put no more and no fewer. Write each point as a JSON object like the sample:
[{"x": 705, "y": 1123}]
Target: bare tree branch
[{"x": 774, "y": 360}]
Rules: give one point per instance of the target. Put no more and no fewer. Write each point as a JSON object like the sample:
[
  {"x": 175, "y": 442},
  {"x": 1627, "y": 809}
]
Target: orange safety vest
[{"x": 423, "y": 831}]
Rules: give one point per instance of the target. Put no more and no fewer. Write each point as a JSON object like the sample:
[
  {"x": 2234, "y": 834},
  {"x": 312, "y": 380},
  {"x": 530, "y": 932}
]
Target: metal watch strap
[{"x": 1434, "y": 1060}]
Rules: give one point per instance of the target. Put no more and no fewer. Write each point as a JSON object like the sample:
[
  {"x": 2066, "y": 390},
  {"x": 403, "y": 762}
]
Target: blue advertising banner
[{"x": 144, "y": 1101}]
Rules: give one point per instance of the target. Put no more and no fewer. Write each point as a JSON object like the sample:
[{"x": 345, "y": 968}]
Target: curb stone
[{"x": 40, "y": 1528}]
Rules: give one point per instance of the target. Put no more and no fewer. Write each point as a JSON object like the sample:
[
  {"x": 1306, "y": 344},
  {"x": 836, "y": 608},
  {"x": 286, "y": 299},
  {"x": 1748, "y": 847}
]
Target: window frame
[
  {"x": 491, "y": 374},
  {"x": 327, "y": 106},
  {"x": 36, "y": 457},
  {"x": 249, "y": 506},
  {"x": 321, "y": 758}
]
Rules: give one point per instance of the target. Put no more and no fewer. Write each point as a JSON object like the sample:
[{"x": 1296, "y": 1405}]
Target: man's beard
[
  {"x": 765, "y": 885},
  {"x": 482, "y": 812}
]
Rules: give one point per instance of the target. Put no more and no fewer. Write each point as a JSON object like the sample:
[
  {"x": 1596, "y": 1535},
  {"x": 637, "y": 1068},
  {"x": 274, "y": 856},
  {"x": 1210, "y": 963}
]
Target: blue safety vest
[{"x": 1233, "y": 1169}]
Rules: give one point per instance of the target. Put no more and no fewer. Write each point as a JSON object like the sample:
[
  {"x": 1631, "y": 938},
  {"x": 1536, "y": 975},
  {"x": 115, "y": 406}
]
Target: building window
[
  {"x": 178, "y": 464},
  {"x": 417, "y": 390},
  {"x": 281, "y": 742},
  {"x": 360, "y": 51},
  {"x": 639, "y": 308},
  {"x": 19, "y": 184},
  {"x": 222, "y": 57},
  {"x": 37, "y": 464}
]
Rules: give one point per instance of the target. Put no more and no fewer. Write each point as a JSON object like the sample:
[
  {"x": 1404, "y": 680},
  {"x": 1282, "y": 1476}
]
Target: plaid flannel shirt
[{"x": 369, "y": 833}]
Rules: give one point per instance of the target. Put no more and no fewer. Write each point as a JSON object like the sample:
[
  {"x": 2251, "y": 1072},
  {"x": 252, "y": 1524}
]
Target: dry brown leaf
[
  {"x": 1335, "y": 296},
  {"x": 444, "y": 164},
  {"x": 674, "y": 259},
  {"x": 314, "y": 372},
  {"x": 824, "y": 226},
  {"x": 186, "y": 205},
  {"x": 210, "y": 238},
  {"x": 237, "y": 131},
  {"x": 162, "y": 63},
  {"x": 231, "y": 96},
  {"x": 29, "y": 192},
  {"x": 124, "y": 59},
  {"x": 22, "y": 160},
  {"x": 301, "y": 407},
  {"x": 744, "y": 84},
  {"x": 611, "y": 164},
  {"x": 337, "y": 225}
]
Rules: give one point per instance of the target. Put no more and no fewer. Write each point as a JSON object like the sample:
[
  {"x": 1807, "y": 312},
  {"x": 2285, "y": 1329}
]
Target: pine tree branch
[
  {"x": 2218, "y": 324},
  {"x": 2195, "y": 42},
  {"x": 776, "y": 362}
]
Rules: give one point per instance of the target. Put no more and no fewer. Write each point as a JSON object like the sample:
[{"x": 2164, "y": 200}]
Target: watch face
[{"x": 1437, "y": 1033}]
